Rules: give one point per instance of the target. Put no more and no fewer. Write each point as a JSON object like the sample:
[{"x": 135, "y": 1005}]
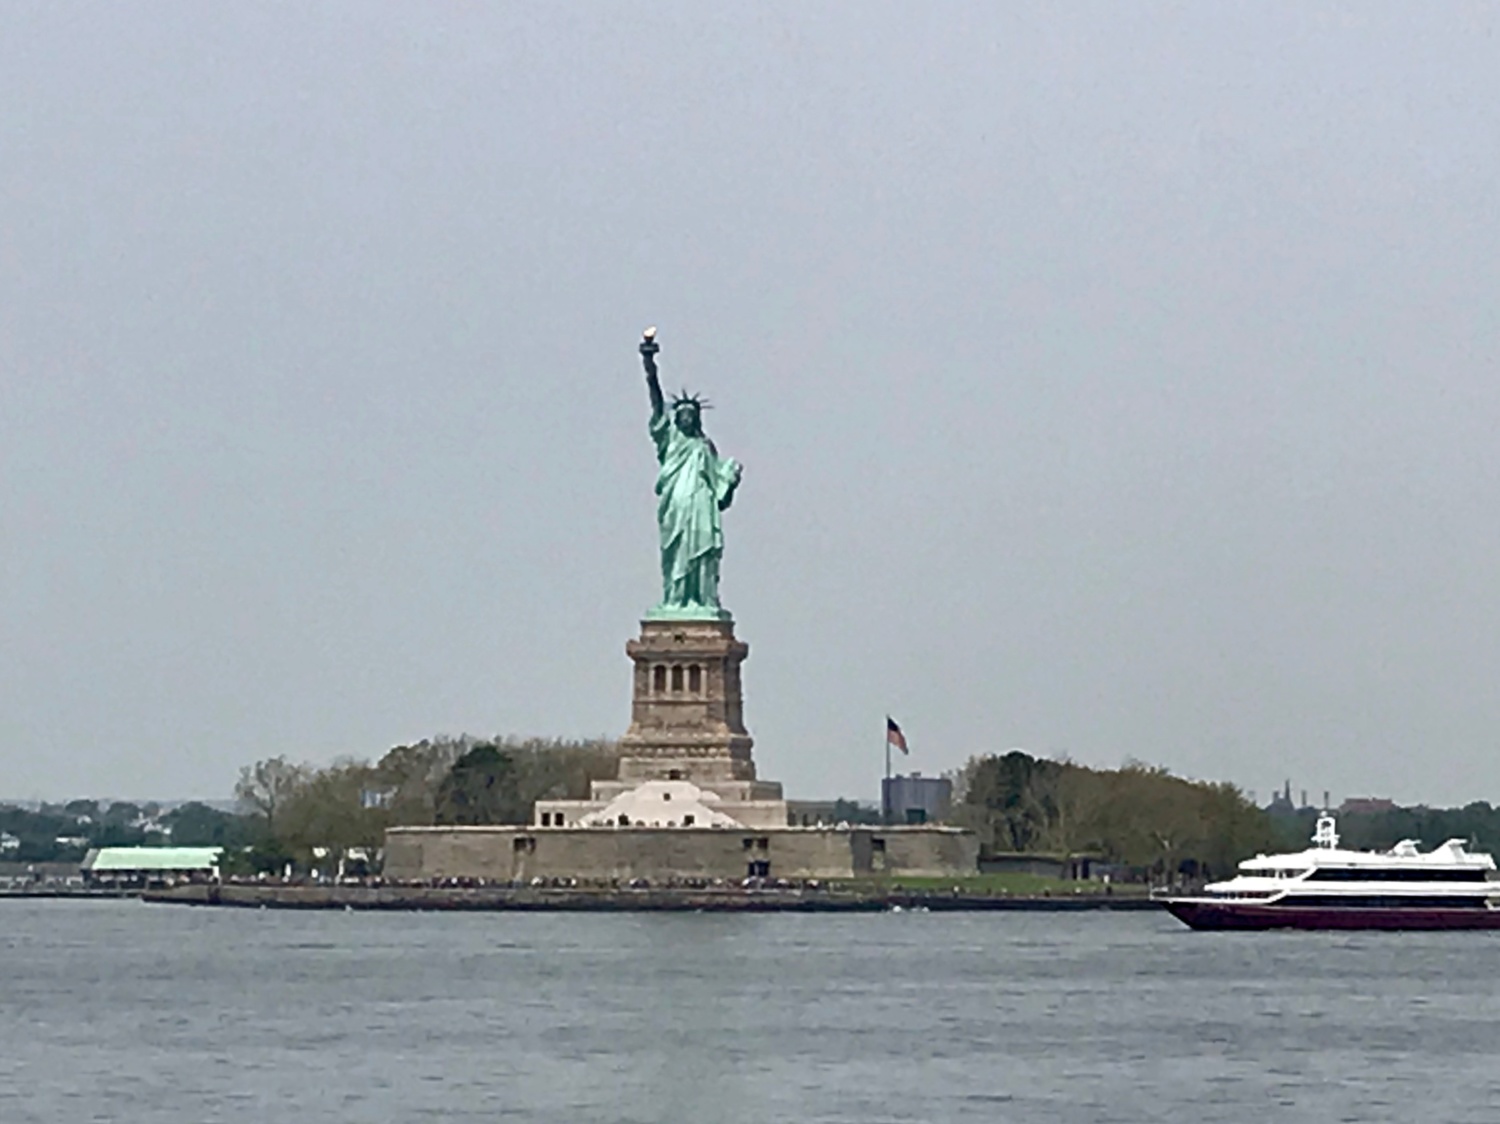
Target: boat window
[
  {"x": 1377, "y": 874},
  {"x": 1386, "y": 901}
]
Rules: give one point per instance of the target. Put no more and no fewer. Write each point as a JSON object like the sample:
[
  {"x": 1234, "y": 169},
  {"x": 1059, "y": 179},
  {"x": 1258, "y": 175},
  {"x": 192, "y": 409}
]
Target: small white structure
[
  {"x": 668, "y": 803},
  {"x": 144, "y": 865},
  {"x": 660, "y": 804}
]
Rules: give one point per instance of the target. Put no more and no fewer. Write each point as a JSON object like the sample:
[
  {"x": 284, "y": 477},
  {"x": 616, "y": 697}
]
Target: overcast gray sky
[{"x": 1111, "y": 380}]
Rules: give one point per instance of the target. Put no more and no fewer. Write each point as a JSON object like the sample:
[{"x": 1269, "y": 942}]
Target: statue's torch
[{"x": 649, "y": 348}]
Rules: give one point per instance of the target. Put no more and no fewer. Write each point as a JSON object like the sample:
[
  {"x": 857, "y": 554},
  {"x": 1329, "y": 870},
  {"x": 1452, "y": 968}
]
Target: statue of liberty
[{"x": 693, "y": 487}]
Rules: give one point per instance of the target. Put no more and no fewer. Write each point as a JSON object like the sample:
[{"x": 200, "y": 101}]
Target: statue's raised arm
[{"x": 649, "y": 348}]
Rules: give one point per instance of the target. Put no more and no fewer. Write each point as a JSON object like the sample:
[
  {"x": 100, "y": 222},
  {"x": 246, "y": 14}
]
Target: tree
[
  {"x": 550, "y": 769},
  {"x": 78, "y": 809},
  {"x": 1077, "y": 798},
  {"x": 408, "y": 777},
  {"x": 329, "y": 810},
  {"x": 122, "y": 812},
  {"x": 265, "y": 788},
  {"x": 197, "y": 825},
  {"x": 1009, "y": 800},
  {"x": 1138, "y": 815},
  {"x": 482, "y": 788},
  {"x": 1238, "y": 829},
  {"x": 37, "y": 833},
  {"x": 498, "y": 781}
]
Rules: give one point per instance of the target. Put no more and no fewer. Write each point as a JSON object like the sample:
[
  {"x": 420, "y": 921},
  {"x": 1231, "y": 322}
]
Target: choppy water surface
[{"x": 120, "y": 1011}]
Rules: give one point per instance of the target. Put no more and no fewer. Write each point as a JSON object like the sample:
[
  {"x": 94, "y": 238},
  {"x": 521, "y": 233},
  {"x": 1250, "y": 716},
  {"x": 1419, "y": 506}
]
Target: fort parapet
[{"x": 520, "y": 854}]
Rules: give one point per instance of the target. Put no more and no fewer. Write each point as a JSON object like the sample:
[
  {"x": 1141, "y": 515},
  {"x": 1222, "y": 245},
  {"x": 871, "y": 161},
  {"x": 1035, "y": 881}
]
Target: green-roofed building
[{"x": 145, "y": 865}]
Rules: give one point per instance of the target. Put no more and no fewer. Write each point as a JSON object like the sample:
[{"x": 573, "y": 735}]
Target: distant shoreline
[{"x": 81, "y": 893}]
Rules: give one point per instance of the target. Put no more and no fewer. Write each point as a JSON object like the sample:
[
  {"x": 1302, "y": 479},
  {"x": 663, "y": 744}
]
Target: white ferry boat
[{"x": 1326, "y": 887}]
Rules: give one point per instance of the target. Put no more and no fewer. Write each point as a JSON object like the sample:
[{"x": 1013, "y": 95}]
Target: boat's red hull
[{"x": 1247, "y": 916}]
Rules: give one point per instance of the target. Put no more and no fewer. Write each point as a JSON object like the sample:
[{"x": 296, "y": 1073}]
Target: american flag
[{"x": 894, "y": 736}]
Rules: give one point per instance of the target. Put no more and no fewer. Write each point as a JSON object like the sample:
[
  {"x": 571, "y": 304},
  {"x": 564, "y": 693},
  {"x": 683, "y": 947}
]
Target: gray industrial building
[{"x": 916, "y": 799}]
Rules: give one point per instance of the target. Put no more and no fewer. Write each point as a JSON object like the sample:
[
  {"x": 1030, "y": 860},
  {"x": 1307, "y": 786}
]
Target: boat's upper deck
[
  {"x": 1403, "y": 862},
  {"x": 1325, "y": 864}
]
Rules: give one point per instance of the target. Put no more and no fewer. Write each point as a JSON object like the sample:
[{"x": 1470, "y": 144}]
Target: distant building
[
  {"x": 1366, "y": 806},
  {"x": 1282, "y": 803},
  {"x": 812, "y": 813},
  {"x": 916, "y": 799}
]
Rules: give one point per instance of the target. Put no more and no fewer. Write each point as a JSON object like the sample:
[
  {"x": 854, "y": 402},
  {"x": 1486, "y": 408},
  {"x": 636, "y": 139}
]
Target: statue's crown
[{"x": 693, "y": 400}]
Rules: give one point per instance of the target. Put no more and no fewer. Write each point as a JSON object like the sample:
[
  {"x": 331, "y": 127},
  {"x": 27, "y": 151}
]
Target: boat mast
[{"x": 1326, "y": 834}]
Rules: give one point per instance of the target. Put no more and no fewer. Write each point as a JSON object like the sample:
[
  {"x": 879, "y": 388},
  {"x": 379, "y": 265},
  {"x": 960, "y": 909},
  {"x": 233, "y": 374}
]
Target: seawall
[
  {"x": 734, "y": 900},
  {"x": 79, "y": 893}
]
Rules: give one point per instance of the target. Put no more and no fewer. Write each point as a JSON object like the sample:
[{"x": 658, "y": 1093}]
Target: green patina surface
[{"x": 694, "y": 486}]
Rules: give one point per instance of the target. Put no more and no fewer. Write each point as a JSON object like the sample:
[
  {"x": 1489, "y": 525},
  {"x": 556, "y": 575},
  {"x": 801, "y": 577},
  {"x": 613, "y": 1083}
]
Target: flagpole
[{"x": 885, "y": 789}]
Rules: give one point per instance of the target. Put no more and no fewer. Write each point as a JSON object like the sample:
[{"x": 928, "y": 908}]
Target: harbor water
[{"x": 123, "y": 1011}]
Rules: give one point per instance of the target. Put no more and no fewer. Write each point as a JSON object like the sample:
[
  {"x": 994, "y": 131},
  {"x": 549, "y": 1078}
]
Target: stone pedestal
[
  {"x": 687, "y": 725},
  {"x": 687, "y": 719}
]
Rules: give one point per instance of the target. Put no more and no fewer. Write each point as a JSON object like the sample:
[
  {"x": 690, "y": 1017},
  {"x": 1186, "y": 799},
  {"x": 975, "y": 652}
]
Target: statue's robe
[{"x": 693, "y": 486}]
